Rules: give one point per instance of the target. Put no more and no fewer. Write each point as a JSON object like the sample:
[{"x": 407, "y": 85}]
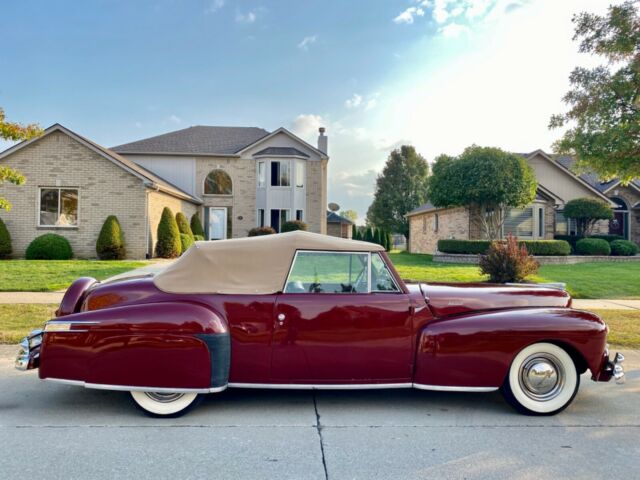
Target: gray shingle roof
[
  {"x": 281, "y": 151},
  {"x": 426, "y": 207},
  {"x": 592, "y": 179},
  {"x": 198, "y": 140},
  {"x": 333, "y": 217}
]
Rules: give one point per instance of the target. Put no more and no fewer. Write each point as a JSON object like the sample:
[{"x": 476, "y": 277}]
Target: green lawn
[
  {"x": 50, "y": 275},
  {"x": 584, "y": 280}
]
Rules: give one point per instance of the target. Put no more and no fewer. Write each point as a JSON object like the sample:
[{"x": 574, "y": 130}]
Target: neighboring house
[
  {"x": 543, "y": 218},
  {"x": 236, "y": 177},
  {"x": 339, "y": 226}
]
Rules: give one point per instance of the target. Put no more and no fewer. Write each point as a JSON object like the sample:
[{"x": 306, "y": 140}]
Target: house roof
[
  {"x": 150, "y": 179},
  {"x": 197, "y": 140},
  {"x": 424, "y": 208},
  {"x": 281, "y": 151},
  {"x": 333, "y": 217},
  {"x": 592, "y": 179}
]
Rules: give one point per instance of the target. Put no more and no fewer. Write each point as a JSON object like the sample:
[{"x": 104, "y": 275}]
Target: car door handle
[{"x": 281, "y": 318}]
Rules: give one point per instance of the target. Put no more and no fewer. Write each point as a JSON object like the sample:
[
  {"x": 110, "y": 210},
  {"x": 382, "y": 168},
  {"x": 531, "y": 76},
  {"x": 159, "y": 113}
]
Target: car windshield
[{"x": 329, "y": 272}]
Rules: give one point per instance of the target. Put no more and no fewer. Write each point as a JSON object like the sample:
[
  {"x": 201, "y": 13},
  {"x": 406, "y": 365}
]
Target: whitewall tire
[
  {"x": 542, "y": 380},
  {"x": 165, "y": 404}
]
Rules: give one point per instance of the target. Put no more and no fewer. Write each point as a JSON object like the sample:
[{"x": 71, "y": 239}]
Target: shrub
[
  {"x": 110, "y": 244},
  {"x": 547, "y": 247},
  {"x": 49, "y": 247},
  {"x": 355, "y": 235},
  {"x": 608, "y": 238},
  {"x": 293, "y": 225},
  {"x": 507, "y": 262},
  {"x": 587, "y": 212},
  {"x": 259, "y": 231},
  {"x": 463, "y": 246},
  {"x": 571, "y": 239},
  {"x": 196, "y": 225},
  {"x": 168, "y": 244},
  {"x": 623, "y": 248},
  {"x": 183, "y": 225},
  {"x": 198, "y": 238},
  {"x": 593, "y": 246},
  {"x": 5, "y": 241},
  {"x": 186, "y": 241}
]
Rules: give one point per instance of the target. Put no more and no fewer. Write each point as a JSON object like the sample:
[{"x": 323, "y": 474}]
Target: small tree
[
  {"x": 507, "y": 262},
  {"x": 587, "y": 212},
  {"x": 486, "y": 180},
  {"x": 354, "y": 232},
  {"x": 389, "y": 241},
  {"x": 168, "y": 244},
  {"x": 5, "y": 241},
  {"x": 186, "y": 241},
  {"x": 368, "y": 235},
  {"x": 196, "y": 225},
  {"x": 377, "y": 236},
  {"x": 293, "y": 225},
  {"x": 110, "y": 244},
  {"x": 183, "y": 225}
]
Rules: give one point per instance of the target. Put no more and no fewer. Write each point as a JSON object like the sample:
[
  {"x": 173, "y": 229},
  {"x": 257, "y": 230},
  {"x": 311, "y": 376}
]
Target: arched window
[{"x": 218, "y": 182}]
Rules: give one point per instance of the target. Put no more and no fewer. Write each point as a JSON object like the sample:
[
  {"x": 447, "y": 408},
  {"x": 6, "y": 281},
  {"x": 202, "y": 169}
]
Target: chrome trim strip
[
  {"x": 310, "y": 386},
  {"x": 443, "y": 388},
  {"x": 127, "y": 388},
  {"x": 419, "y": 309},
  {"x": 78, "y": 322}
]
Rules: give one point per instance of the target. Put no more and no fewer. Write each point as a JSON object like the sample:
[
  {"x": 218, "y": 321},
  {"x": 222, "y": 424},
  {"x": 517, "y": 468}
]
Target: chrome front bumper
[
  {"x": 29, "y": 353},
  {"x": 614, "y": 368}
]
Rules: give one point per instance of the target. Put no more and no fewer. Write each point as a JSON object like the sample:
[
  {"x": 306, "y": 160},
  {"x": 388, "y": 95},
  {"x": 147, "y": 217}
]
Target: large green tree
[
  {"x": 603, "y": 119},
  {"x": 14, "y": 132},
  {"x": 485, "y": 179},
  {"x": 350, "y": 214},
  {"x": 401, "y": 187}
]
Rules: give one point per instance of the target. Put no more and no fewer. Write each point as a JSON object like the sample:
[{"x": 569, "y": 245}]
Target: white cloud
[
  {"x": 408, "y": 15},
  {"x": 307, "y": 42},
  {"x": 454, "y": 30},
  {"x": 214, "y": 6},
  {"x": 138, "y": 124},
  {"x": 249, "y": 17},
  {"x": 354, "y": 101},
  {"x": 372, "y": 101},
  {"x": 440, "y": 12},
  {"x": 306, "y": 126},
  {"x": 175, "y": 119}
]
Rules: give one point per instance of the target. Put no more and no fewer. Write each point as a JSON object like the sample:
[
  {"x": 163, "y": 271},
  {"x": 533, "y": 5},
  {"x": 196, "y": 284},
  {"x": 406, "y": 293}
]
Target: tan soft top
[{"x": 252, "y": 265}]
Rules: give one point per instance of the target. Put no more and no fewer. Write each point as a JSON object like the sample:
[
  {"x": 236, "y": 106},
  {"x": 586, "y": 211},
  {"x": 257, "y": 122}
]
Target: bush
[
  {"x": 183, "y": 225},
  {"x": 49, "y": 247},
  {"x": 547, "y": 247},
  {"x": 593, "y": 246},
  {"x": 463, "y": 246},
  {"x": 293, "y": 225},
  {"x": 507, "y": 262},
  {"x": 198, "y": 238},
  {"x": 259, "y": 231},
  {"x": 623, "y": 248},
  {"x": 5, "y": 241},
  {"x": 608, "y": 238},
  {"x": 110, "y": 244},
  {"x": 196, "y": 225},
  {"x": 168, "y": 244},
  {"x": 587, "y": 212},
  {"x": 186, "y": 241},
  {"x": 571, "y": 239}
]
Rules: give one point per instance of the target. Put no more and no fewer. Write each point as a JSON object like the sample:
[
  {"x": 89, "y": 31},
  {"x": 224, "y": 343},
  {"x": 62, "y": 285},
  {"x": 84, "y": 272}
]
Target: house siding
[
  {"x": 630, "y": 197},
  {"x": 104, "y": 189},
  {"x": 316, "y": 208},
  {"x": 156, "y": 202},
  {"x": 452, "y": 223}
]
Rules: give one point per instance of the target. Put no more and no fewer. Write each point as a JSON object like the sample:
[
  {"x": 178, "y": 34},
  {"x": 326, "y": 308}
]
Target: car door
[{"x": 330, "y": 326}]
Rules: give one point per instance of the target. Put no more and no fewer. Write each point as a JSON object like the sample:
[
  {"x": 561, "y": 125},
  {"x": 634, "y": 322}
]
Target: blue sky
[{"x": 439, "y": 74}]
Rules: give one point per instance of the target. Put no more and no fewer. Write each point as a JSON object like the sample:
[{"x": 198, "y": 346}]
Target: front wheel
[
  {"x": 165, "y": 404},
  {"x": 542, "y": 380}
]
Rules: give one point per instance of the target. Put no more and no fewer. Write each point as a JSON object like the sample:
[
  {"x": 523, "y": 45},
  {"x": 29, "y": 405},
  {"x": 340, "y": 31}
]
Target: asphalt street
[{"x": 54, "y": 431}]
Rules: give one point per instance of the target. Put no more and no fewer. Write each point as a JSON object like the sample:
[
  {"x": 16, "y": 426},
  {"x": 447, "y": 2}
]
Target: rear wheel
[
  {"x": 542, "y": 380},
  {"x": 165, "y": 404}
]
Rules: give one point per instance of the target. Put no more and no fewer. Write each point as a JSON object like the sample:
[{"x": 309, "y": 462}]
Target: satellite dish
[{"x": 334, "y": 207}]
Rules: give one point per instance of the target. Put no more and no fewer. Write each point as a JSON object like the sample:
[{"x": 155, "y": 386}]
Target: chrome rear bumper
[{"x": 29, "y": 353}]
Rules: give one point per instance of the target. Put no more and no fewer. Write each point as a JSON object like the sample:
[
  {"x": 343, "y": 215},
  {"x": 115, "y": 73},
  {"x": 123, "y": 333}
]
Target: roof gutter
[{"x": 160, "y": 188}]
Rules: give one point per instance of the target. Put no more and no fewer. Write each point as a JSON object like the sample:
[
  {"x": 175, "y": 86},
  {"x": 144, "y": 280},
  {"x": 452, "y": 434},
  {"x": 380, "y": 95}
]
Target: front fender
[
  {"x": 166, "y": 345},
  {"x": 476, "y": 350}
]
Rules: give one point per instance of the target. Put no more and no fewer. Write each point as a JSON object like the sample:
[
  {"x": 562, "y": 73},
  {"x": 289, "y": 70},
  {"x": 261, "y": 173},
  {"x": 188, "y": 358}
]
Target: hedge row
[
  {"x": 534, "y": 247},
  {"x": 573, "y": 239}
]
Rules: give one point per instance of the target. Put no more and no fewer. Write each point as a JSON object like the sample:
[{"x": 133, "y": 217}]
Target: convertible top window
[
  {"x": 329, "y": 272},
  {"x": 381, "y": 278}
]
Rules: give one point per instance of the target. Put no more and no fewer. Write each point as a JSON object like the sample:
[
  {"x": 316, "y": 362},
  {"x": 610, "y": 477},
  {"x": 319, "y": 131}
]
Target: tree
[
  {"x": 168, "y": 244},
  {"x": 587, "y": 212},
  {"x": 350, "y": 214},
  {"x": 110, "y": 244},
  {"x": 15, "y": 132},
  {"x": 355, "y": 235},
  {"x": 196, "y": 225},
  {"x": 183, "y": 225},
  {"x": 401, "y": 187},
  {"x": 486, "y": 180},
  {"x": 604, "y": 102}
]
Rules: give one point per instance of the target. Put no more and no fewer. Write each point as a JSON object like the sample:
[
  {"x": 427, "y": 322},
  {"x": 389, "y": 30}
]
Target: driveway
[{"x": 56, "y": 431}]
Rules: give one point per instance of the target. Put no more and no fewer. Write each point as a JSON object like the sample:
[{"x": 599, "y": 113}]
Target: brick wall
[
  {"x": 157, "y": 201},
  {"x": 452, "y": 223},
  {"x": 631, "y": 197},
  {"x": 316, "y": 210}
]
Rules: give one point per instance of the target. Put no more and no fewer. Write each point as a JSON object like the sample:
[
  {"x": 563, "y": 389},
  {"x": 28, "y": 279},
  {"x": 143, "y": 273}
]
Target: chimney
[{"x": 322, "y": 140}]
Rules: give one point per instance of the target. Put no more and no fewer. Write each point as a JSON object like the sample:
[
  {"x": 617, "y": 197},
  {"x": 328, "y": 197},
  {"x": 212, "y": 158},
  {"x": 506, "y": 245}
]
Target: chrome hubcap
[
  {"x": 164, "y": 397},
  {"x": 541, "y": 377}
]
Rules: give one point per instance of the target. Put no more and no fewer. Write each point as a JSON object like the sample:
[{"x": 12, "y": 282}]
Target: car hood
[{"x": 448, "y": 299}]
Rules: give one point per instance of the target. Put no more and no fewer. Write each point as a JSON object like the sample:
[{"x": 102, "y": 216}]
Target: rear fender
[
  {"x": 165, "y": 345},
  {"x": 476, "y": 350},
  {"x": 74, "y": 295}
]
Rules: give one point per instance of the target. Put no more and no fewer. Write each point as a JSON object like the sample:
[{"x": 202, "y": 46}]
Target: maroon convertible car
[{"x": 306, "y": 311}]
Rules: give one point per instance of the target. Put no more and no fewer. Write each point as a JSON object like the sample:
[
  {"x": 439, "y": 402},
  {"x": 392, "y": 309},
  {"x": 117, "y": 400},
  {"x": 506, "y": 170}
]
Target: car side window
[
  {"x": 329, "y": 272},
  {"x": 381, "y": 278}
]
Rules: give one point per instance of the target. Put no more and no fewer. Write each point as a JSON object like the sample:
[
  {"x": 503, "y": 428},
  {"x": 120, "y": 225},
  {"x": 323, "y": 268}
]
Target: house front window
[
  {"x": 262, "y": 172},
  {"x": 299, "y": 215},
  {"x": 565, "y": 226},
  {"x": 300, "y": 173},
  {"x": 261, "y": 217},
  {"x": 280, "y": 173},
  {"x": 519, "y": 222},
  {"x": 58, "y": 207},
  {"x": 278, "y": 217},
  {"x": 436, "y": 222},
  {"x": 218, "y": 182}
]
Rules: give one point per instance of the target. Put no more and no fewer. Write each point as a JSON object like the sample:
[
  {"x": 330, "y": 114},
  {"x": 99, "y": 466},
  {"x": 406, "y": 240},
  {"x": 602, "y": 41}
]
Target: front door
[
  {"x": 217, "y": 223},
  {"x": 330, "y": 327},
  {"x": 617, "y": 224}
]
